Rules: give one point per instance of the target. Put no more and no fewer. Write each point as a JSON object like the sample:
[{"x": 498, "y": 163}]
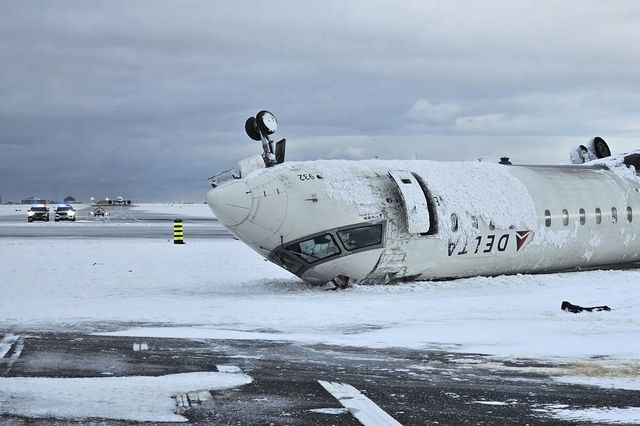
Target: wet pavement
[{"x": 413, "y": 387}]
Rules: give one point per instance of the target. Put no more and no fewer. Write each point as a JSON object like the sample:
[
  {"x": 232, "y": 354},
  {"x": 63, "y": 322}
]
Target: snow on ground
[
  {"x": 136, "y": 398},
  {"x": 628, "y": 415},
  {"x": 184, "y": 211},
  {"x": 221, "y": 289},
  {"x": 629, "y": 383}
]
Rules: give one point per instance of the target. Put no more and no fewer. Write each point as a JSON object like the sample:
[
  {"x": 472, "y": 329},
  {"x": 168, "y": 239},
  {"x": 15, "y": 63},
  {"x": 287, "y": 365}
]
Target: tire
[
  {"x": 55, "y": 220},
  {"x": 29, "y": 220},
  {"x": 251, "y": 127},
  {"x": 264, "y": 128},
  {"x": 601, "y": 148}
]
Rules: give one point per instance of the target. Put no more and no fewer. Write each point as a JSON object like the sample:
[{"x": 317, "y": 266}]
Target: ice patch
[
  {"x": 492, "y": 402},
  {"x": 606, "y": 415},
  {"x": 334, "y": 411},
  {"x": 603, "y": 382}
]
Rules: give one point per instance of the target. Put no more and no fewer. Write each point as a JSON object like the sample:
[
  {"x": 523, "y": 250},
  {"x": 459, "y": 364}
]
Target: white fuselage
[{"x": 380, "y": 221}]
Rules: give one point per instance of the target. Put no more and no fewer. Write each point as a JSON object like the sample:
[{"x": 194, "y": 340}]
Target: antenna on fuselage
[{"x": 260, "y": 128}]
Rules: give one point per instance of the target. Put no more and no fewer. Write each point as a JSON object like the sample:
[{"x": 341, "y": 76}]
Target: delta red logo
[{"x": 521, "y": 239}]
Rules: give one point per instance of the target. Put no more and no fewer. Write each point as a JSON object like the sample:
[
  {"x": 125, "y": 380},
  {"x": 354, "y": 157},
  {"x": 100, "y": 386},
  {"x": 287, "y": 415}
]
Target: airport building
[{"x": 34, "y": 200}]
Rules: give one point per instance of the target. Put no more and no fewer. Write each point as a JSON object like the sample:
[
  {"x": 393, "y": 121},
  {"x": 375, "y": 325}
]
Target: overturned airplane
[{"x": 377, "y": 221}]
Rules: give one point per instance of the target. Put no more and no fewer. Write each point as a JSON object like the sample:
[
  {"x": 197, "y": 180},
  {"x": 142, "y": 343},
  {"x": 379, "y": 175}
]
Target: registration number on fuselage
[{"x": 507, "y": 242}]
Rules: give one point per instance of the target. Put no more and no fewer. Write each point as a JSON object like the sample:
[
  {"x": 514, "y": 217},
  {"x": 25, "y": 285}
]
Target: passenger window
[
  {"x": 491, "y": 226},
  {"x": 583, "y": 217},
  {"x": 614, "y": 215},
  {"x": 454, "y": 222},
  {"x": 316, "y": 248},
  {"x": 547, "y": 218},
  {"x": 363, "y": 236},
  {"x": 565, "y": 217},
  {"x": 598, "y": 216},
  {"x": 629, "y": 214}
]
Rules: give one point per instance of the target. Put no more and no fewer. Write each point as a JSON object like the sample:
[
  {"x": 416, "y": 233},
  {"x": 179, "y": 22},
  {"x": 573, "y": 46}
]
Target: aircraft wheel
[
  {"x": 251, "y": 127},
  {"x": 266, "y": 122}
]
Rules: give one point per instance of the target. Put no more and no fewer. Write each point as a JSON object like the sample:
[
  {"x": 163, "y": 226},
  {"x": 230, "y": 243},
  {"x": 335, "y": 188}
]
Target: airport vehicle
[
  {"x": 38, "y": 212},
  {"x": 376, "y": 221},
  {"x": 98, "y": 211},
  {"x": 65, "y": 212}
]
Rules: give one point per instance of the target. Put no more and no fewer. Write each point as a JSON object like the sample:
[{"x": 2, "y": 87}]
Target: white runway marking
[
  {"x": 7, "y": 343},
  {"x": 19, "y": 346},
  {"x": 362, "y": 408},
  {"x": 140, "y": 347}
]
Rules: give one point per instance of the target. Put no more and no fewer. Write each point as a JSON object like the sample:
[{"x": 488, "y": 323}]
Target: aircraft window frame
[
  {"x": 629, "y": 214},
  {"x": 313, "y": 257},
  {"x": 583, "y": 217},
  {"x": 454, "y": 222},
  {"x": 344, "y": 238},
  {"x": 547, "y": 218},
  {"x": 598, "y": 215},
  {"x": 565, "y": 217},
  {"x": 614, "y": 215}
]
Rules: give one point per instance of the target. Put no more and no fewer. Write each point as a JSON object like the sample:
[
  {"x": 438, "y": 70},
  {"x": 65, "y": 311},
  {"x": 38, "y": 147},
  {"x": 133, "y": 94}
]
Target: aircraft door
[{"x": 414, "y": 200}]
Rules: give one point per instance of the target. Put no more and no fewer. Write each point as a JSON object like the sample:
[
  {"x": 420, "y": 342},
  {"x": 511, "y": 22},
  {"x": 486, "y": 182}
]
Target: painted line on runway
[
  {"x": 15, "y": 355},
  {"x": 362, "y": 408},
  {"x": 184, "y": 401},
  {"x": 7, "y": 343}
]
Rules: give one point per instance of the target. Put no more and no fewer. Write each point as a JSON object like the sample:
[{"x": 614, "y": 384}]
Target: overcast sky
[{"x": 146, "y": 99}]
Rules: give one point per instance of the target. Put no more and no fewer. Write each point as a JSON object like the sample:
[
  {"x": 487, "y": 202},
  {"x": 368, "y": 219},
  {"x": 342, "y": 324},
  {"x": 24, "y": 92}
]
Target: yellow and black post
[{"x": 178, "y": 236}]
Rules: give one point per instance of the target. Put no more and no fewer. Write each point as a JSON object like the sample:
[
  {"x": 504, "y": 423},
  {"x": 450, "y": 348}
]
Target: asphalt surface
[
  {"x": 414, "y": 387},
  {"x": 122, "y": 222}
]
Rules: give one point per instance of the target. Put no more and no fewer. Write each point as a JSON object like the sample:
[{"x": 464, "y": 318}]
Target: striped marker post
[{"x": 178, "y": 236}]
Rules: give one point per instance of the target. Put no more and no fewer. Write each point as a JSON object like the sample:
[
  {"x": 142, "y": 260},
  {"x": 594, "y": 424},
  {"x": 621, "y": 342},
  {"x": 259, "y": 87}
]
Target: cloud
[
  {"x": 148, "y": 99},
  {"x": 434, "y": 113}
]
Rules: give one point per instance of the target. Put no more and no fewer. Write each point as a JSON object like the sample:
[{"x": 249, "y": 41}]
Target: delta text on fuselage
[{"x": 377, "y": 221}]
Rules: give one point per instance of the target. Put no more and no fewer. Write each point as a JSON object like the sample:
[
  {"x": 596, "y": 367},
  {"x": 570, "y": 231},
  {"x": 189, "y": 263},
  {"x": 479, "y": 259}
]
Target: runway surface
[
  {"x": 122, "y": 222},
  {"x": 412, "y": 387},
  {"x": 74, "y": 372}
]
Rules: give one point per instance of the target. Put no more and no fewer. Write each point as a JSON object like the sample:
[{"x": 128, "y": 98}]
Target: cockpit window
[
  {"x": 316, "y": 248},
  {"x": 360, "y": 237}
]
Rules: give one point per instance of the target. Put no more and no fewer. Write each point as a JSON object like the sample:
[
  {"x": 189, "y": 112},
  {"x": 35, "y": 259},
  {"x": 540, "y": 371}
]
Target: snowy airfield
[{"x": 216, "y": 288}]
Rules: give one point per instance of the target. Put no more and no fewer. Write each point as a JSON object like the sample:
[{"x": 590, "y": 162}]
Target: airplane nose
[{"x": 230, "y": 203}]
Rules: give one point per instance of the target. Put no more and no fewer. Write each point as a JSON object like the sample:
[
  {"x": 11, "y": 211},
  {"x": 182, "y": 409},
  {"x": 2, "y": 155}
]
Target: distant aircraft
[
  {"x": 376, "y": 221},
  {"x": 118, "y": 201}
]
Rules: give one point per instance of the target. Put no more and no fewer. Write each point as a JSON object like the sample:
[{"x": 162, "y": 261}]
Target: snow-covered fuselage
[{"x": 377, "y": 221}]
